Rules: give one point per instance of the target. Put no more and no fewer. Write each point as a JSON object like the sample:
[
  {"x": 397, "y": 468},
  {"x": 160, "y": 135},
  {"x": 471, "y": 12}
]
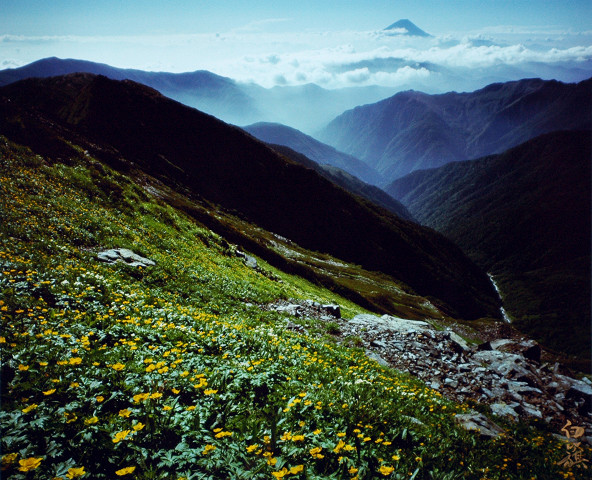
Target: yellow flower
[
  {"x": 125, "y": 471},
  {"x": 341, "y": 434},
  {"x": 156, "y": 395},
  {"x": 210, "y": 392},
  {"x": 29, "y": 408},
  {"x": 190, "y": 408},
  {"x": 166, "y": 408},
  {"x": 250, "y": 448},
  {"x": 75, "y": 472},
  {"x": 175, "y": 391},
  {"x": 281, "y": 474},
  {"x": 353, "y": 470},
  {"x": 75, "y": 361},
  {"x": 118, "y": 366},
  {"x": 31, "y": 463},
  {"x": 120, "y": 436},
  {"x": 298, "y": 438},
  {"x": 223, "y": 434},
  {"x": 41, "y": 364},
  {"x": 23, "y": 368},
  {"x": 140, "y": 397},
  {"x": 91, "y": 420},
  {"x": 208, "y": 449},
  {"x": 396, "y": 458},
  {"x": 125, "y": 413},
  {"x": 316, "y": 452},
  {"x": 317, "y": 431},
  {"x": 100, "y": 398},
  {"x": 9, "y": 458},
  {"x": 138, "y": 426},
  {"x": 49, "y": 392},
  {"x": 386, "y": 470},
  {"x": 296, "y": 469}
]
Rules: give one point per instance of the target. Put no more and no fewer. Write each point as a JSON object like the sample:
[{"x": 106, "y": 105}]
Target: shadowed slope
[
  {"x": 221, "y": 163},
  {"x": 523, "y": 215}
]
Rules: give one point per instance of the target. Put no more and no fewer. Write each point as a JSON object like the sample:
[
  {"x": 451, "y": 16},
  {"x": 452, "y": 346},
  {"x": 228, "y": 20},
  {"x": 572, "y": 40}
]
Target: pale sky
[{"x": 280, "y": 42}]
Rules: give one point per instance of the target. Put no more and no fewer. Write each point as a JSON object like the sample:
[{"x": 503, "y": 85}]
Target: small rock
[
  {"x": 451, "y": 383},
  {"x": 530, "y": 411},
  {"x": 480, "y": 423},
  {"x": 249, "y": 260},
  {"x": 581, "y": 391},
  {"x": 484, "y": 347},
  {"x": 374, "y": 356},
  {"x": 503, "y": 410},
  {"x": 333, "y": 310},
  {"x": 531, "y": 350},
  {"x": 125, "y": 255}
]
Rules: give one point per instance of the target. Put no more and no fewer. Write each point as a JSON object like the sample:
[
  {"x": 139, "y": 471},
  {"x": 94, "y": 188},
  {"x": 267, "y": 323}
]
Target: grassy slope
[{"x": 167, "y": 373}]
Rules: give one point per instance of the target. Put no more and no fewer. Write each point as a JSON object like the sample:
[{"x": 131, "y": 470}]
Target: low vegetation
[{"x": 173, "y": 371}]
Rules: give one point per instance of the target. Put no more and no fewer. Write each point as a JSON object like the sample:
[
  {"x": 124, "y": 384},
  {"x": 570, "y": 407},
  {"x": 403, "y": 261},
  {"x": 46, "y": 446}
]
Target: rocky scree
[{"x": 505, "y": 374}]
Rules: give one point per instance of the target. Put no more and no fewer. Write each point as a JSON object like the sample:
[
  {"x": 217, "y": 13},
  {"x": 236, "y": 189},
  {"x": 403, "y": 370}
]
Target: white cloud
[{"x": 330, "y": 59}]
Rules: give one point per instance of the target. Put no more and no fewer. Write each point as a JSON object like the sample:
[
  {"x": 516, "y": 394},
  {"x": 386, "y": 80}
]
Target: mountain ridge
[
  {"x": 413, "y": 130},
  {"x": 310, "y": 147},
  {"x": 309, "y": 106},
  {"x": 223, "y": 164}
]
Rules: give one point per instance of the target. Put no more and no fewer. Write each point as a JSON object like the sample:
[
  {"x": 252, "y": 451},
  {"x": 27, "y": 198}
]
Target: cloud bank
[{"x": 330, "y": 59}]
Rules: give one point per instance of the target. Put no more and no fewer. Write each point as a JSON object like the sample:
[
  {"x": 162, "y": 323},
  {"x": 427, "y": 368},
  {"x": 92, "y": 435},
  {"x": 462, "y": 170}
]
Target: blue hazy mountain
[
  {"x": 317, "y": 151},
  {"x": 411, "y": 29},
  {"x": 413, "y": 130}
]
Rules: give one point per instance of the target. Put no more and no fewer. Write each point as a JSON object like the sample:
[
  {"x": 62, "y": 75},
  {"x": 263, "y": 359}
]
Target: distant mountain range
[
  {"x": 523, "y": 215},
  {"x": 413, "y": 130},
  {"x": 133, "y": 127},
  {"x": 306, "y": 107}
]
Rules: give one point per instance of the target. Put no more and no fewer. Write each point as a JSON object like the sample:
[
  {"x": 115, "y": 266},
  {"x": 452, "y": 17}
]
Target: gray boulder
[
  {"x": 126, "y": 256},
  {"x": 480, "y": 423},
  {"x": 503, "y": 410}
]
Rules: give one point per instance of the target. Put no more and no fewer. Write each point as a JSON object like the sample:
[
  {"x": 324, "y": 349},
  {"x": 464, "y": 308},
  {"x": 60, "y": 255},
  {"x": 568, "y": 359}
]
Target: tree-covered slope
[{"x": 524, "y": 216}]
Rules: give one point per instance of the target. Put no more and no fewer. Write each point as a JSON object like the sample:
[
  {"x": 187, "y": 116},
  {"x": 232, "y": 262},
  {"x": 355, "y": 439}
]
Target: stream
[{"x": 505, "y": 316}]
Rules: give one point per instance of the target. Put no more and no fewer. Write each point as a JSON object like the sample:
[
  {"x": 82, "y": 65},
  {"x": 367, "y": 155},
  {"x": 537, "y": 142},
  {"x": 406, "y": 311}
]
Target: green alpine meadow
[{"x": 175, "y": 371}]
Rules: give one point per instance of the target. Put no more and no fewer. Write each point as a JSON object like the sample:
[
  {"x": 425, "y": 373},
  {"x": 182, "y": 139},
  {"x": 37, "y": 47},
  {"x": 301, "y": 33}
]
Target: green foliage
[{"x": 167, "y": 372}]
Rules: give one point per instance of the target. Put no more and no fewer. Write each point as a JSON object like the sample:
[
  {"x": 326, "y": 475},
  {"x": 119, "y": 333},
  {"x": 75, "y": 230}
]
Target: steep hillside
[
  {"x": 319, "y": 152},
  {"x": 349, "y": 182},
  {"x": 171, "y": 368},
  {"x": 524, "y": 216},
  {"x": 193, "y": 151},
  {"x": 413, "y": 130}
]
